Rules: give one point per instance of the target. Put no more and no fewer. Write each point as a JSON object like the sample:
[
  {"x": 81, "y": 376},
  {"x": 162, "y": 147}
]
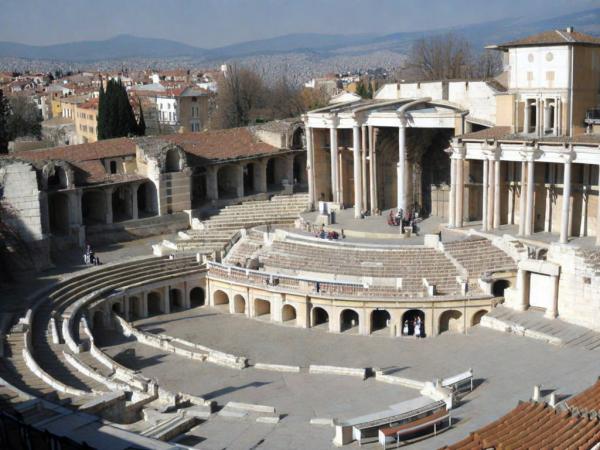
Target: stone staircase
[{"x": 213, "y": 234}]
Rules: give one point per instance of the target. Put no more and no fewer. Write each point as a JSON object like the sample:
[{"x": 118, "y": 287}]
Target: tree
[
  {"x": 447, "y": 57},
  {"x": 141, "y": 129},
  {"x": 115, "y": 114},
  {"x": 24, "y": 119},
  {"x": 4, "y": 112},
  {"x": 241, "y": 93},
  {"x": 361, "y": 89}
]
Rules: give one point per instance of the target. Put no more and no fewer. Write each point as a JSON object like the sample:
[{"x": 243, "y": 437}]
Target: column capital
[
  {"x": 402, "y": 121},
  {"x": 491, "y": 152},
  {"x": 568, "y": 155},
  {"x": 332, "y": 120}
]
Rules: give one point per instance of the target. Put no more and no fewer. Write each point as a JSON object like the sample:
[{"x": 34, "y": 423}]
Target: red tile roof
[
  {"x": 534, "y": 425},
  {"x": 588, "y": 400},
  {"x": 553, "y": 37}
]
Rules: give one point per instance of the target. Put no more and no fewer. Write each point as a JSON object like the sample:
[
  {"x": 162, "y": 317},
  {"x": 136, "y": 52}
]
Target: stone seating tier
[{"x": 478, "y": 255}]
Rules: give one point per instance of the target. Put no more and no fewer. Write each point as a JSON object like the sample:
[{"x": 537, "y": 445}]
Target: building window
[{"x": 113, "y": 167}]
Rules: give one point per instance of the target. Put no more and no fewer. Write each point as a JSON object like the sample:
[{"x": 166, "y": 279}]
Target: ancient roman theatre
[{"x": 420, "y": 269}]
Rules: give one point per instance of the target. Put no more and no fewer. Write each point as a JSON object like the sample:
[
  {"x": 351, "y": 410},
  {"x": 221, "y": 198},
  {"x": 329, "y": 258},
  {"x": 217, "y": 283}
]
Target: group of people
[
  {"x": 402, "y": 219},
  {"x": 89, "y": 257},
  {"x": 330, "y": 235},
  {"x": 417, "y": 328}
]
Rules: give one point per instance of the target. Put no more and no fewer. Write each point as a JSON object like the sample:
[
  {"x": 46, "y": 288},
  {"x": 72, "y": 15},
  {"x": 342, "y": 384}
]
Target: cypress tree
[
  {"x": 141, "y": 128},
  {"x": 4, "y": 112},
  {"x": 115, "y": 114},
  {"x": 101, "y": 127}
]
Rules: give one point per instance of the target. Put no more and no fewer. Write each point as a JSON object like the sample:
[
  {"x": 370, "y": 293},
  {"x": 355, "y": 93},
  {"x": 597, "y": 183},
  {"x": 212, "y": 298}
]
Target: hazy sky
[{"x": 213, "y": 23}]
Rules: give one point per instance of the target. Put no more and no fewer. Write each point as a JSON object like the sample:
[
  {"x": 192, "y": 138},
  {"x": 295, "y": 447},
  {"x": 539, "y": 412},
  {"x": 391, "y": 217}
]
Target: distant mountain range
[{"x": 323, "y": 45}]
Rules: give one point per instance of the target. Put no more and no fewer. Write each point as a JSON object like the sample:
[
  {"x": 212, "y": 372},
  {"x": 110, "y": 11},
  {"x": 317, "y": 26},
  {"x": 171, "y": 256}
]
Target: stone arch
[
  {"x": 409, "y": 320},
  {"x": 220, "y": 298},
  {"x": 135, "y": 307},
  {"x": 117, "y": 308},
  {"x": 262, "y": 308},
  {"x": 450, "y": 320},
  {"x": 154, "y": 303},
  {"x": 298, "y": 140},
  {"x": 147, "y": 200},
  {"x": 175, "y": 299},
  {"x": 476, "y": 319},
  {"x": 122, "y": 204},
  {"x": 197, "y": 297},
  {"x": 174, "y": 160},
  {"x": 57, "y": 178},
  {"x": 98, "y": 319},
  {"x": 319, "y": 316},
  {"x": 58, "y": 212},
  {"x": 380, "y": 320},
  {"x": 239, "y": 304},
  {"x": 288, "y": 313},
  {"x": 227, "y": 179},
  {"x": 499, "y": 286},
  {"x": 93, "y": 207},
  {"x": 349, "y": 320},
  {"x": 275, "y": 169},
  {"x": 300, "y": 175}
]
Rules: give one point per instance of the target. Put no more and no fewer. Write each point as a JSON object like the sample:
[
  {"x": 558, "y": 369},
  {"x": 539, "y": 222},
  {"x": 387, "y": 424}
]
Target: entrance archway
[
  {"x": 262, "y": 308},
  {"x": 154, "y": 304},
  {"x": 239, "y": 304},
  {"x": 196, "y": 297},
  {"x": 319, "y": 316},
  {"x": 121, "y": 204},
  {"x": 175, "y": 299},
  {"x": 93, "y": 207},
  {"x": 58, "y": 212},
  {"x": 249, "y": 183},
  {"x": 349, "y": 321},
  {"x": 173, "y": 161},
  {"x": 477, "y": 317},
  {"x": 409, "y": 320},
  {"x": 499, "y": 286},
  {"x": 227, "y": 181},
  {"x": 300, "y": 175},
  {"x": 275, "y": 173},
  {"x": 380, "y": 320},
  {"x": 147, "y": 200},
  {"x": 451, "y": 320},
  {"x": 221, "y": 299},
  {"x": 288, "y": 314}
]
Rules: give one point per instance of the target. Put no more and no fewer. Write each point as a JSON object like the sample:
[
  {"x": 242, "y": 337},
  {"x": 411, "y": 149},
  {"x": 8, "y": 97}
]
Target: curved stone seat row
[{"x": 37, "y": 365}]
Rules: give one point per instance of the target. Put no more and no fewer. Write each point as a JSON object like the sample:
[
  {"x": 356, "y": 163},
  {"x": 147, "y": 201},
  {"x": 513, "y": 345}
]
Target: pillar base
[{"x": 550, "y": 314}]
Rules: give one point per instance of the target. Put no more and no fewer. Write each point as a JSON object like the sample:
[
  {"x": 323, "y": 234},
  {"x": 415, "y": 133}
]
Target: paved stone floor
[{"x": 505, "y": 366}]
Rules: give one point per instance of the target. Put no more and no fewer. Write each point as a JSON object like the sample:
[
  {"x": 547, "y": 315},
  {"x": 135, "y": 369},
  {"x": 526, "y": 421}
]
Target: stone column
[
  {"x": 212, "y": 188},
  {"x": 357, "y": 171},
  {"x": 556, "y": 117},
  {"x": 333, "y": 148},
  {"x": 373, "y": 170},
  {"x": 566, "y": 204},
  {"x": 547, "y": 117},
  {"x": 522, "y": 198},
  {"x": 530, "y": 194},
  {"x": 144, "y": 308},
  {"x": 526, "y": 117},
  {"x": 491, "y": 190},
  {"x": 497, "y": 193},
  {"x": 108, "y": 203},
  {"x": 167, "y": 300},
  {"x": 134, "y": 201},
  {"x": 584, "y": 200},
  {"x": 239, "y": 187},
  {"x": 363, "y": 154},
  {"x": 260, "y": 176},
  {"x": 522, "y": 290},
  {"x": 484, "y": 215},
  {"x": 452, "y": 199},
  {"x": 401, "y": 167},
  {"x": 460, "y": 192},
  {"x": 310, "y": 168},
  {"x": 552, "y": 311}
]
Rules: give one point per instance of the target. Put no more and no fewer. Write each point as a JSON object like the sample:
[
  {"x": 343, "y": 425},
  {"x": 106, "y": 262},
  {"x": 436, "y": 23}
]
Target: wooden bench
[{"x": 393, "y": 434}]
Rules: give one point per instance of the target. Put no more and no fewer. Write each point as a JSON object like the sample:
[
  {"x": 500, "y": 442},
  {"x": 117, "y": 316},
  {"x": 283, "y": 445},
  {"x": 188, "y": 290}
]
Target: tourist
[
  {"x": 418, "y": 327},
  {"x": 342, "y": 234},
  {"x": 405, "y": 330}
]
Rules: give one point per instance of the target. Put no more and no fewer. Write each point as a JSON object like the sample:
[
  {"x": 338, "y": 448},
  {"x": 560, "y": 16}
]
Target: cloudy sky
[{"x": 213, "y": 23}]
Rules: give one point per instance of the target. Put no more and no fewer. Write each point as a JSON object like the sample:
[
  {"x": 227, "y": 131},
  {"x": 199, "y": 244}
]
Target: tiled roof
[
  {"x": 534, "y": 425},
  {"x": 221, "y": 144},
  {"x": 553, "y": 37}
]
